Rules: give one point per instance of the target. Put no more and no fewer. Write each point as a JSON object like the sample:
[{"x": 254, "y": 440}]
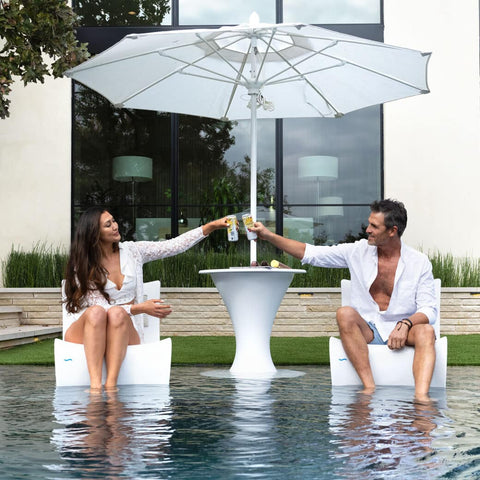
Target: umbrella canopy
[{"x": 253, "y": 70}]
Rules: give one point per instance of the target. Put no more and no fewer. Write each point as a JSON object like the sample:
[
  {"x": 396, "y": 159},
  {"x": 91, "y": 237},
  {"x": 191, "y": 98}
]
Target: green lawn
[{"x": 462, "y": 350}]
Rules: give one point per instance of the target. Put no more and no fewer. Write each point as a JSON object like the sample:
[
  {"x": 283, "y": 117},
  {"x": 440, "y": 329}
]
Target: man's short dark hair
[{"x": 395, "y": 213}]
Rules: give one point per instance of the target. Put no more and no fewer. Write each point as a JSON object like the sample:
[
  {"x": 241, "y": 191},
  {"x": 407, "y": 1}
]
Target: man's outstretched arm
[{"x": 292, "y": 247}]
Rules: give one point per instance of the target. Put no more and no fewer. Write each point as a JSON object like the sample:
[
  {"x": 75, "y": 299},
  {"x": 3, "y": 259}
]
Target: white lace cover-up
[{"x": 132, "y": 257}]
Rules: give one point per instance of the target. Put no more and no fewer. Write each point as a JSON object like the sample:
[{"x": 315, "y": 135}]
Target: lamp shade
[
  {"x": 333, "y": 207},
  {"x": 132, "y": 168},
  {"x": 323, "y": 167}
]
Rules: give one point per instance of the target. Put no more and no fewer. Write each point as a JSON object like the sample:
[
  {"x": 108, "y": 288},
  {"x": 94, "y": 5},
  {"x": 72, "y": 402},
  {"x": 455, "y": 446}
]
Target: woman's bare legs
[
  {"x": 104, "y": 335},
  {"x": 120, "y": 334},
  {"x": 90, "y": 329}
]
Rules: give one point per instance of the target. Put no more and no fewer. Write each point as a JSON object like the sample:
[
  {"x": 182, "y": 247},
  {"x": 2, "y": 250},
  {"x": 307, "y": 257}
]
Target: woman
[{"x": 104, "y": 289}]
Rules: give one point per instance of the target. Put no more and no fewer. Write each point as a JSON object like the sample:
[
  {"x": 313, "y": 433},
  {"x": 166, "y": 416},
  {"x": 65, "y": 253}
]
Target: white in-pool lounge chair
[
  {"x": 146, "y": 364},
  {"x": 389, "y": 367}
]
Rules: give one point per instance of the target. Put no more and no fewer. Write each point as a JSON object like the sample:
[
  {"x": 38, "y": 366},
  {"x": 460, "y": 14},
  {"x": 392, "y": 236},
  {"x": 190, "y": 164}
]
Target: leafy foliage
[
  {"x": 44, "y": 267},
  {"x": 31, "y": 31},
  {"x": 118, "y": 13}
]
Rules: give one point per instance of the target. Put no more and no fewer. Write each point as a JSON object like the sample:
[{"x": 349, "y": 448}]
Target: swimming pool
[{"x": 211, "y": 426}]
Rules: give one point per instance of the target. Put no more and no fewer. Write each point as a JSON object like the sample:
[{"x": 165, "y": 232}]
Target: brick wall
[{"x": 200, "y": 311}]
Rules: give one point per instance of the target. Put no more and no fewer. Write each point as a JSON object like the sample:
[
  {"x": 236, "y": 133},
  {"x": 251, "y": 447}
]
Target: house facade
[{"x": 59, "y": 149}]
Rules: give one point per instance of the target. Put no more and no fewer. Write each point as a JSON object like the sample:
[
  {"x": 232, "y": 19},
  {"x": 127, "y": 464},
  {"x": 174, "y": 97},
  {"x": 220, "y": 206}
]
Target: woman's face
[{"x": 108, "y": 229}]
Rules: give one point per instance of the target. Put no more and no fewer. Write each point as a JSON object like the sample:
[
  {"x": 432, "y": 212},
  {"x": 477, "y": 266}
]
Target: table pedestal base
[{"x": 252, "y": 297}]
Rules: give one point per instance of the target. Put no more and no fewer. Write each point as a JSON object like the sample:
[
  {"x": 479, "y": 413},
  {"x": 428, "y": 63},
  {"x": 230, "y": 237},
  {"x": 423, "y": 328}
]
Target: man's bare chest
[{"x": 382, "y": 287}]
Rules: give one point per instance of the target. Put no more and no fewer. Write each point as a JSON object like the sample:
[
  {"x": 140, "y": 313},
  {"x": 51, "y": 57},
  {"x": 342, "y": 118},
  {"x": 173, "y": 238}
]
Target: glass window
[
  {"x": 331, "y": 11},
  {"x": 102, "y": 133},
  {"x": 330, "y": 164},
  {"x": 200, "y": 167},
  {"x": 114, "y": 13},
  {"x": 214, "y": 166},
  {"x": 311, "y": 225},
  {"x": 224, "y": 12}
]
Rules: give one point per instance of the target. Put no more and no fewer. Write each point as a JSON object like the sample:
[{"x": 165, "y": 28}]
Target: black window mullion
[
  {"x": 279, "y": 11},
  {"x": 174, "y": 167},
  {"x": 279, "y": 176},
  {"x": 174, "y": 13}
]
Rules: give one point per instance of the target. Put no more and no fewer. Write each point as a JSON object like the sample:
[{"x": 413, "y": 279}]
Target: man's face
[{"x": 377, "y": 232}]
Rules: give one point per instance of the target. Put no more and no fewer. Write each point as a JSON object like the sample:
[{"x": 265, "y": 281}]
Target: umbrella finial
[{"x": 254, "y": 19}]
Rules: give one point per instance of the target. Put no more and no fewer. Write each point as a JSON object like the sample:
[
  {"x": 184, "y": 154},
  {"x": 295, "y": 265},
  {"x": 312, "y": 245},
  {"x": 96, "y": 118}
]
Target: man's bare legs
[
  {"x": 422, "y": 337},
  {"x": 355, "y": 335}
]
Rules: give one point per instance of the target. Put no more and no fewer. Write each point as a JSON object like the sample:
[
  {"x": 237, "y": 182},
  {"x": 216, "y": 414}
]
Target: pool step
[
  {"x": 13, "y": 332},
  {"x": 10, "y": 316}
]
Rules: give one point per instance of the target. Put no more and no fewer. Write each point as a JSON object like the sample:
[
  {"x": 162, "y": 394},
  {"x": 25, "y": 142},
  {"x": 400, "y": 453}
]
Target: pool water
[{"x": 212, "y": 426}]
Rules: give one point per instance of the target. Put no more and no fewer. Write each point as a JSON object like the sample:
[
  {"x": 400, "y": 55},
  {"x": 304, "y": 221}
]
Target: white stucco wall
[
  {"x": 432, "y": 142},
  {"x": 35, "y": 151}
]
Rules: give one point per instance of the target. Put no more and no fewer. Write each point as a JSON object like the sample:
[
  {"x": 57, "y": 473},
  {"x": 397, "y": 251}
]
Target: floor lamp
[
  {"x": 134, "y": 169},
  {"x": 322, "y": 169}
]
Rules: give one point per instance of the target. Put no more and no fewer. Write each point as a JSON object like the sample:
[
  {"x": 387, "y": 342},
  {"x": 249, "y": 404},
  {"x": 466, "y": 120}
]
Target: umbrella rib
[
  {"x": 178, "y": 70},
  {"x": 377, "y": 72},
  {"x": 301, "y": 76},
  {"x": 291, "y": 66},
  {"x": 344, "y": 61},
  {"x": 86, "y": 65},
  {"x": 267, "y": 49},
  {"x": 352, "y": 40},
  {"x": 181, "y": 69},
  {"x": 217, "y": 51},
  {"x": 234, "y": 89}
]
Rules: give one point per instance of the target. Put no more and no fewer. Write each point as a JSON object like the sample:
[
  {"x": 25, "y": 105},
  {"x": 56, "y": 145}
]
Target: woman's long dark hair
[{"x": 84, "y": 269}]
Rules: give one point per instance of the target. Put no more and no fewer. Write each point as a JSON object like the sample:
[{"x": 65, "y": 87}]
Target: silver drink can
[
  {"x": 248, "y": 222},
  {"x": 232, "y": 229}
]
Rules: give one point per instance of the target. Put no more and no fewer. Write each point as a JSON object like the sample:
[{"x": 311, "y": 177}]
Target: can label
[
  {"x": 248, "y": 222},
  {"x": 232, "y": 229}
]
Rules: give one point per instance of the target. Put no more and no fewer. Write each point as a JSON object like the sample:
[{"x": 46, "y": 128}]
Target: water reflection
[
  {"x": 253, "y": 425},
  {"x": 116, "y": 434},
  {"x": 206, "y": 427},
  {"x": 385, "y": 432}
]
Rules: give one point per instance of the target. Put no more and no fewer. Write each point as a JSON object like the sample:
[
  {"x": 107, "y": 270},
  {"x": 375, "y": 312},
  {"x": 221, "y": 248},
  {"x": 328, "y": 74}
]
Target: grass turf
[{"x": 462, "y": 350}]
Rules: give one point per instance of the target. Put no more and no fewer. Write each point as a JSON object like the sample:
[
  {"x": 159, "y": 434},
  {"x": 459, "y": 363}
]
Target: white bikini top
[{"x": 126, "y": 294}]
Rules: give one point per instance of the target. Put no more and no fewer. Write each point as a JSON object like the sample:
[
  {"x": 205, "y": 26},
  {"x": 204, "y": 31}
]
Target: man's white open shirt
[{"x": 413, "y": 291}]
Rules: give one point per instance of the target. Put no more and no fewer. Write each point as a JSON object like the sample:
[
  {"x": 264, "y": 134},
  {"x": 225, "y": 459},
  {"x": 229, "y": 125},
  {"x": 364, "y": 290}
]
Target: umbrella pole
[
  {"x": 253, "y": 91},
  {"x": 253, "y": 172}
]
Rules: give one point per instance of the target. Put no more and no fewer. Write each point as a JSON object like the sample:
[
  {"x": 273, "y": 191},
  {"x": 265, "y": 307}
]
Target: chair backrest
[
  {"x": 151, "y": 325},
  {"x": 345, "y": 286}
]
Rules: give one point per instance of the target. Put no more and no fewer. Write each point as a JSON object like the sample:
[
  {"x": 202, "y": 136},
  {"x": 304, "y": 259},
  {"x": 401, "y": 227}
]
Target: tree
[
  {"x": 37, "y": 39},
  {"x": 102, "y": 13}
]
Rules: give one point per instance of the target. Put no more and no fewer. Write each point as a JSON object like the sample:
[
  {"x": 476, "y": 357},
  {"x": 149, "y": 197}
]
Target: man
[{"x": 392, "y": 292}]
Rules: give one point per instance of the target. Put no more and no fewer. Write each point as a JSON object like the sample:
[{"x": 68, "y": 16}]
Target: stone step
[
  {"x": 22, "y": 334},
  {"x": 10, "y": 316}
]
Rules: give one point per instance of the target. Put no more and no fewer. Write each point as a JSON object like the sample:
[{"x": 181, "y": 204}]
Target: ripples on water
[{"x": 209, "y": 427}]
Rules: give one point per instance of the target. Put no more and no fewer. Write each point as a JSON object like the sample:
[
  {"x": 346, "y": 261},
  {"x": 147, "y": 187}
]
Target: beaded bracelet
[
  {"x": 410, "y": 324},
  {"x": 404, "y": 323}
]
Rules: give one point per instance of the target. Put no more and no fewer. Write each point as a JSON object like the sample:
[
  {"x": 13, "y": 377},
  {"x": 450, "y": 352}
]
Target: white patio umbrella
[{"x": 253, "y": 70}]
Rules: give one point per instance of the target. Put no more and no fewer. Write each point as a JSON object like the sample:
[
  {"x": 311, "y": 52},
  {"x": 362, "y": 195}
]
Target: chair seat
[
  {"x": 389, "y": 367},
  {"x": 146, "y": 364}
]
